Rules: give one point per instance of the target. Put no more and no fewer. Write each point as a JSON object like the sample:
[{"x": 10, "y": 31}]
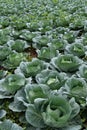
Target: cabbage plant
[
  {"x": 47, "y": 53},
  {"x": 4, "y": 21},
  {"x": 55, "y": 112},
  {"x": 4, "y": 38},
  {"x": 41, "y": 41},
  {"x": 77, "y": 22},
  {"x": 77, "y": 87},
  {"x": 58, "y": 44},
  {"x": 59, "y": 111},
  {"x": 27, "y": 35},
  {"x": 34, "y": 91},
  {"x": 70, "y": 36},
  {"x": 34, "y": 25},
  {"x": 54, "y": 115},
  {"x": 52, "y": 78},
  {"x": 67, "y": 63},
  {"x": 13, "y": 60},
  {"x": 27, "y": 95},
  {"x": 4, "y": 52},
  {"x": 32, "y": 68},
  {"x": 15, "y": 33},
  {"x": 82, "y": 71},
  {"x": 19, "y": 24},
  {"x": 18, "y": 45},
  {"x": 76, "y": 49},
  {"x": 84, "y": 39},
  {"x": 11, "y": 83}
]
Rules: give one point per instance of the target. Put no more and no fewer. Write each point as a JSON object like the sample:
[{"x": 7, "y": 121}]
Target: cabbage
[{"x": 67, "y": 63}]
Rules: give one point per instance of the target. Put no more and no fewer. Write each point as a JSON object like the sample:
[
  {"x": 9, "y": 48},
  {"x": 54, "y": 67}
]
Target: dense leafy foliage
[{"x": 43, "y": 65}]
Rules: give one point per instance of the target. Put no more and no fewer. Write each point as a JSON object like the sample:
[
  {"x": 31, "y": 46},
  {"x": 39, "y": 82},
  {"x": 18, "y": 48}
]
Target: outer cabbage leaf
[
  {"x": 8, "y": 125},
  {"x": 20, "y": 102},
  {"x": 67, "y": 63},
  {"x": 72, "y": 127},
  {"x": 33, "y": 128},
  {"x": 40, "y": 104},
  {"x": 2, "y": 113},
  {"x": 52, "y": 78},
  {"x": 75, "y": 108},
  {"x": 34, "y": 117}
]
